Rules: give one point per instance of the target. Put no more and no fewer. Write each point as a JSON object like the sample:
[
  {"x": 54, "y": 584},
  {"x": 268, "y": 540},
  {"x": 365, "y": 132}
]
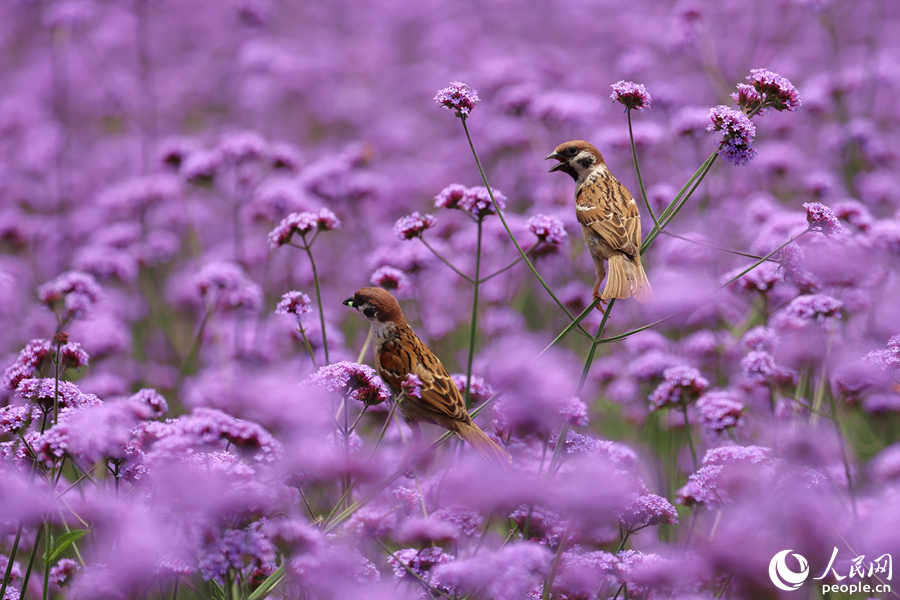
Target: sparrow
[
  {"x": 399, "y": 353},
  {"x": 609, "y": 220}
]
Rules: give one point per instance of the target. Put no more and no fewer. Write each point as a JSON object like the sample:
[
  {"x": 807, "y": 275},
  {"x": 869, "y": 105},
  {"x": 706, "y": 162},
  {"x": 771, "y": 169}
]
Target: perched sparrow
[
  {"x": 399, "y": 353},
  {"x": 609, "y": 221}
]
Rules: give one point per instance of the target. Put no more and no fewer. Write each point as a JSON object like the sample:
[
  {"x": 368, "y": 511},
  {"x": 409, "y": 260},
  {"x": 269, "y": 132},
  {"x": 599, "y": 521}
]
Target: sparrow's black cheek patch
[
  {"x": 369, "y": 312},
  {"x": 586, "y": 162}
]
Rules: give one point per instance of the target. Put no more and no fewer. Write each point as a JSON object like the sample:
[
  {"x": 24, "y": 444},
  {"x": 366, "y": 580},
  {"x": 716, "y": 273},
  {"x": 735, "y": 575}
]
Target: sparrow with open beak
[
  {"x": 609, "y": 221},
  {"x": 399, "y": 353}
]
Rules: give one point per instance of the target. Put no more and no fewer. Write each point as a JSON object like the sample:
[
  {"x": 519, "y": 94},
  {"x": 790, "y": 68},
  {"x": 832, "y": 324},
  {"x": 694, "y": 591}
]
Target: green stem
[
  {"x": 509, "y": 232},
  {"x": 446, "y": 262},
  {"x": 554, "y": 567},
  {"x": 47, "y": 548},
  {"x": 473, "y": 326},
  {"x": 687, "y": 430},
  {"x": 312, "y": 355},
  {"x": 31, "y": 560},
  {"x": 312, "y": 263},
  {"x": 12, "y": 559},
  {"x": 637, "y": 170},
  {"x": 714, "y": 247}
]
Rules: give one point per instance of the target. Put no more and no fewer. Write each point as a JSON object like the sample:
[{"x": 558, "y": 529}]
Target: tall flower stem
[
  {"x": 306, "y": 247},
  {"x": 12, "y": 559},
  {"x": 637, "y": 171},
  {"x": 509, "y": 232},
  {"x": 473, "y": 327}
]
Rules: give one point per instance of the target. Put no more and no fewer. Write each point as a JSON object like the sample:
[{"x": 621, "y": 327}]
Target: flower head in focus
[
  {"x": 630, "y": 95},
  {"x": 458, "y": 97},
  {"x": 738, "y": 133},
  {"x": 821, "y": 218}
]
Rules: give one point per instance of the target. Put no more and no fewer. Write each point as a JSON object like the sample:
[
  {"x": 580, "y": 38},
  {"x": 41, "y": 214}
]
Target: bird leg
[{"x": 603, "y": 301}]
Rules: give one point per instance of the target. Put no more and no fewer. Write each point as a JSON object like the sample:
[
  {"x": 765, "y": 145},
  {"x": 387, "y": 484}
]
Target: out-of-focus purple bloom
[
  {"x": 372, "y": 521},
  {"x": 458, "y": 97},
  {"x": 575, "y": 412},
  {"x": 356, "y": 381},
  {"x": 690, "y": 121},
  {"x": 761, "y": 279},
  {"x": 465, "y": 520},
  {"x": 450, "y": 196},
  {"x": 243, "y": 550},
  {"x": 760, "y": 338},
  {"x": 73, "y": 293},
  {"x": 820, "y": 308},
  {"x": 643, "y": 510},
  {"x": 412, "y": 386},
  {"x": 150, "y": 402},
  {"x": 678, "y": 381},
  {"x": 225, "y": 285},
  {"x": 410, "y": 500},
  {"x": 302, "y": 224},
  {"x": 509, "y": 574},
  {"x": 62, "y": 571},
  {"x": 294, "y": 303},
  {"x": 758, "y": 365},
  {"x": 241, "y": 146},
  {"x": 420, "y": 562},
  {"x": 630, "y": 95},
  {"x": 173, "y": 151},
  {"x": 94, "y": 433},
  {"x": 412, "y": 226},
  {"x": 548, "y": 229},
  {"x": 854, "y": 212},
  {"x": 821, "y": 218},
  {"x": 200, "y": 167},
  {"x": 885, "y": 466},
  {"x": 393, "y": 280},
  {"x": 775, "y": 90},
  {"x": 480, "y": 391},
  {"x": 887, "y": 357},
  {"x": 720, "y": 410},
  {"x": 738, "y": 133},
  {"x": 430, "y": 530}
]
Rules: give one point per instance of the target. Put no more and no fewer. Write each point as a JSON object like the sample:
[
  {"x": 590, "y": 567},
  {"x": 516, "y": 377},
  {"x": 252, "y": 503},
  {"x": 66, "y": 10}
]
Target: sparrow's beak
[
  {"x": 348, "y": 302},
  {"x": 562, "y": 161}
]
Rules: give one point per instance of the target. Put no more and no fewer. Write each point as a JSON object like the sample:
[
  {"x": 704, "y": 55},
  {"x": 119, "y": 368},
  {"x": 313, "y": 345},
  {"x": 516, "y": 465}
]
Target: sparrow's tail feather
[
  {"x": 485, "y": 446},
  {"x": 627, "y": 278}
]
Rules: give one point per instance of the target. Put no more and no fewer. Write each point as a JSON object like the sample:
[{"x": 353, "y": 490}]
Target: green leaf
[
  {"x": 63, "y": 542},
  {"x": 266, "y": 586}
]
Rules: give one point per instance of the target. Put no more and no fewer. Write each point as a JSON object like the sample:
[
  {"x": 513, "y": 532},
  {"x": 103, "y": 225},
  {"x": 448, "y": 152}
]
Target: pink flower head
[
  {"x": 356, "y": 381},
  {"x": 631, "y": 95},
  {"x": 73, "y": 294},
  {"x": 548, "y": 229},
  {"x": 294, "y": 303},
  {"x": 393, "y": 280},
  {"x": 677, "y": 381},
  {"x": 821, "y": 218},
  {"x": 458, "y": 97},
  {"x": 775, "y": 90},
  {"x": 412, "y": 386},
  {"x": 412, "y": 226},
  {"x": 302, "y": 223},
  {"x": 738, "y": 133}
]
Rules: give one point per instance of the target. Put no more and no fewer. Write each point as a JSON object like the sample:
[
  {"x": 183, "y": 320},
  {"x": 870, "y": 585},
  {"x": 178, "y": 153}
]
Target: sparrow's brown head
[
  {"x": 575, "y": 158},
  {"x": 377, "y": 305}
]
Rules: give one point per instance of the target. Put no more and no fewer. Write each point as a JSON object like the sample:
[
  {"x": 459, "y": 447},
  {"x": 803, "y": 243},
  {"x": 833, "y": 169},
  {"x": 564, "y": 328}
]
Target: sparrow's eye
[
  {"x": 369, "y": 312},
  {"x": 572, "y": 150}
]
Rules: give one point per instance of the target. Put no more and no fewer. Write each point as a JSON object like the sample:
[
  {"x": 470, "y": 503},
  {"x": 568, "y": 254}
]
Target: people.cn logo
[{"x": 782, "y": 575}]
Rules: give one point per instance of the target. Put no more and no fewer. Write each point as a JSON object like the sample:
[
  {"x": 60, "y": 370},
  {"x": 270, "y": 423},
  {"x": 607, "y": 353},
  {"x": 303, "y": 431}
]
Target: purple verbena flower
[
  {"x": 14, "y": 417},
  {"x": 302, "y": 223},
  {"x": 241, "y": 550},
  {"x": 791, "y": 260},
  {"x": 450, "y": 196},
  {"x": 820, "y": 308},
  {"x": 393, "y": 280},
  {"x": 294, "y": 303},
  {"x": 62, "y": 571},
  {"x": 738, "y": 133},
  {"x": 200, "y": 167},
  {"x": 241, "y": 146},
  {"x": 748, "y": 99},
  {"x": 758, "y": 365},
  {"x": 678, "y": 381},
  {"x": 419, "y": 562},
  {"x": 72, "y": 294},
  {"x": 412, "y": 386},
  {"x": 466, "y": 520},
  {"x": 43, "y": 391},
  {"x": 821, "y": 218},
  {"x": 356, "y": 381},
  {"x": 549, "y": 230},
  {"x": 760, "y": 338},
  {"x": 429, "y": 530},
  {"x": 225, "y": 285},
  {"x": 630, "y": 95},
  {"x": 775, "y": 90},
  {"x": 720, "y": 410},
  {"x": 458, "y": 97},
  {"x": 412, "y": 226},
  {"x": 643, "y": 510},
  {"x": 151, "y": 402},
  {"x": 29, "y": 360},
  {"x": 480, "y": 390},
  {"x": 477, "y": 201}
]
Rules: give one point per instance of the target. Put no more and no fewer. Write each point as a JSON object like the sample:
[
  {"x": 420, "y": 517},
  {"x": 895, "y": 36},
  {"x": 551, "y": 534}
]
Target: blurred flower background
[{"x": 188, "y": 190}]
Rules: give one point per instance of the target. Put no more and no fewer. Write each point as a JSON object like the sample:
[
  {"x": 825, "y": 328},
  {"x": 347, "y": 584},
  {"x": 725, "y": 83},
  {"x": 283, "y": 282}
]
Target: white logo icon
[{"x": 782, "y": 576}]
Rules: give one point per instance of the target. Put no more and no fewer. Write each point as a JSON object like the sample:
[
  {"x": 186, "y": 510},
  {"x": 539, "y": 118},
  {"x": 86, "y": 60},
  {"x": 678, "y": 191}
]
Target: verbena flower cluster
[{"x": 190, "y": 190}]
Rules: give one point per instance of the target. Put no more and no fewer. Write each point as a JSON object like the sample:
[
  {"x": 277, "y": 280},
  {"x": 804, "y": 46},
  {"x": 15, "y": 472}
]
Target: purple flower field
[{"x": 189, "y": 190}]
